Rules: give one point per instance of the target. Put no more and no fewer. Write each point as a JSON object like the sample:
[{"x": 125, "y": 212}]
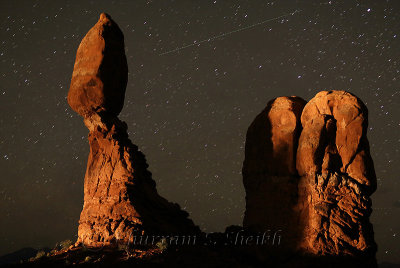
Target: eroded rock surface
[
  {"x": 120, "y": 197},
  {"x": 312, "y": 179},
  {"x": 337, "y": 176}
]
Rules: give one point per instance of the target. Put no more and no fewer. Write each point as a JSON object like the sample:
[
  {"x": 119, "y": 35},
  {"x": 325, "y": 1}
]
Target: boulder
[{"x": 100, "y": 72}]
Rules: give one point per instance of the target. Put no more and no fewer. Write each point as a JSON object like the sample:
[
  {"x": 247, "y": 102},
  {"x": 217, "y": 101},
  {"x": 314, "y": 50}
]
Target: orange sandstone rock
[
  {"x": 120, "y": 197},
  {"x": 312, "y": 180},
  {"x": 334, "y": 137},
  {"x": 338, "y": 176},
  {"x": 100, "y": 72},
  {"x": 269, "y": 169},
  {"x": 273, "y": 136}
]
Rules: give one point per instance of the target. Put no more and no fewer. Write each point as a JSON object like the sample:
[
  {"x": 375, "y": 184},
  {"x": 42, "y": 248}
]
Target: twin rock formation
[
  {"x": 307, "y": 168},
  {"x": 308, "y": 171}
]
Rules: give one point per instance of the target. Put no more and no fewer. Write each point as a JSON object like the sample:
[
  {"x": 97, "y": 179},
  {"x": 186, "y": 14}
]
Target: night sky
[{"x": 188, "y": 110}]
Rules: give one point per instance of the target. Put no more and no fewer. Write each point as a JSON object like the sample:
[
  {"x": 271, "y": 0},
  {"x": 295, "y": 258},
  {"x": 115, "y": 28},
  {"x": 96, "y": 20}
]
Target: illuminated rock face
[
  {"x": 317, "y": 187},
  {"x": 337, "y": 176},
  {"x": 100, "y": 72},
  {"x": 120, "y": 197}
]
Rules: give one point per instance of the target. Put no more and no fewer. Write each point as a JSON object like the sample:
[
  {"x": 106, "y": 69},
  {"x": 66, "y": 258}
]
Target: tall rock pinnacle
[
  {"x": 269, "y": 169},
  {"x": 312, "y": 179},
  {"x": 337, "y": 176},
  {"x": 120, "y": 197}
]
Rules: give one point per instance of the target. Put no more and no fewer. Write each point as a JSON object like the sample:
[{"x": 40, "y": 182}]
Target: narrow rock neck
[{"x": 104, "y": 122}]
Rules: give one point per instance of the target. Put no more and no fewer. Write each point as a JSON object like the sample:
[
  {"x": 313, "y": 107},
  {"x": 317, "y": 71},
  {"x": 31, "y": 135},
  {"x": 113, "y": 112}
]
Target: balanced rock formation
[
  {"x": 312, "y": 179},
  {"x": 120, "y": 197},
  {"x": 269, "y": 169}
]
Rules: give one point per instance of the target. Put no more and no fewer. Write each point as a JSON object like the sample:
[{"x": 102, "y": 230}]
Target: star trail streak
[{"x": 231, "y": 32}]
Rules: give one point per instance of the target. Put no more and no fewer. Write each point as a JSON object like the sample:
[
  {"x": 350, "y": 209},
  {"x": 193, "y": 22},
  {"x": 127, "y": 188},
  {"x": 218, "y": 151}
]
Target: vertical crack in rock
[{"x": 120, "y": 197}]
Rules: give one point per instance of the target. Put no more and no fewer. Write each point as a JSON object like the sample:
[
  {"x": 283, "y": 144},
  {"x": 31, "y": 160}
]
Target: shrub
[
  {"x": 65, "y": 244},
  {"x": 88, "y": 259},
  {"x": 162, "y": 244},
  {"x": 40, "y": 254}
]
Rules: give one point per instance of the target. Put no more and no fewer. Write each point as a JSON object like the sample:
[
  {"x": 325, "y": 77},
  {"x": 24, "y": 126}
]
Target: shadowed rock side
[
  {"x": 269, "y": 169},
  {"x": 120, "y": 197},
  {"x": 338, "y": 176},
  {"x": 314, "y": 186}
]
